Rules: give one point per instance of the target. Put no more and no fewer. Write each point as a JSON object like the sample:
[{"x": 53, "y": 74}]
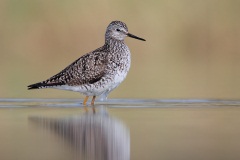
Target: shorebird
[{"x": 98, "y": 72}]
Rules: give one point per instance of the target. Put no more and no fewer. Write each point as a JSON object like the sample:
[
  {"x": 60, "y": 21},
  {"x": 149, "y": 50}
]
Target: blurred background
[{"x": 192, "y": 48}]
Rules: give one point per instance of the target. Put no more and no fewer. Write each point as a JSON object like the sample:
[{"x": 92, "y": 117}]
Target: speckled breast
[{"x": 118, "y": 67}]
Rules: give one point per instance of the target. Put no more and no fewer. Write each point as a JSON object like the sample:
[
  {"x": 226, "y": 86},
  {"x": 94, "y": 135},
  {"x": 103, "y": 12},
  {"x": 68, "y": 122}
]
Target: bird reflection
[{"x": 96, "y": 136}]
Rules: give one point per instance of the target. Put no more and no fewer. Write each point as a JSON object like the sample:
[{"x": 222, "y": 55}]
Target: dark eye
[{"x": 118, "y": 30}]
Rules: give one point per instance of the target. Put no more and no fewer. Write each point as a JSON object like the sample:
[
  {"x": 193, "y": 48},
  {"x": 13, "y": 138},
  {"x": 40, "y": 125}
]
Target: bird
[{"x": 99, "y": 72}]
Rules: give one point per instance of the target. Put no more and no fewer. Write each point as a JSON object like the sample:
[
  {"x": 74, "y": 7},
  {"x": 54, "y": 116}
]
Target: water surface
[{"x": 120, "y": 129}]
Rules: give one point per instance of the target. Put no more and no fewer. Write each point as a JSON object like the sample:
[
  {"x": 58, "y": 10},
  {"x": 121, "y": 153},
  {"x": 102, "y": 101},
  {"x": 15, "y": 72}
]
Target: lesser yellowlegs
[{"x": 98, "y": 72}]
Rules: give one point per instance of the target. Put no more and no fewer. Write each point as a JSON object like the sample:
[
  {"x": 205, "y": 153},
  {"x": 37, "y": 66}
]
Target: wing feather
[{"x": 89, "y": 68}]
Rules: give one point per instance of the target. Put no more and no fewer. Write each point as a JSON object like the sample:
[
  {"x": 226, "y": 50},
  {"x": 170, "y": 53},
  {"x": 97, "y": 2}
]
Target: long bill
[{"x": 133, "y": 36}]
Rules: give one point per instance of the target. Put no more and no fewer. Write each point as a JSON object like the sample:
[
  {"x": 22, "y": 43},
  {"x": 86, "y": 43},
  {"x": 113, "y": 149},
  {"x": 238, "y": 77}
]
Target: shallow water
[{"x": 120, "y": 129}]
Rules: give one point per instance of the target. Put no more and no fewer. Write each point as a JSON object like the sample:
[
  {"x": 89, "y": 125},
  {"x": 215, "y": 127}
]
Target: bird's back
[{"x": 87, "y": 69}]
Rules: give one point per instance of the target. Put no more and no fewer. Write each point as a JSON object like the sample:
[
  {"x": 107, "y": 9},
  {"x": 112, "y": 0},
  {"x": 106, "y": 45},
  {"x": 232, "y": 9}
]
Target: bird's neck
[
  {"x": 114, "y": 44},
  {"x": 112, "y": 41}
]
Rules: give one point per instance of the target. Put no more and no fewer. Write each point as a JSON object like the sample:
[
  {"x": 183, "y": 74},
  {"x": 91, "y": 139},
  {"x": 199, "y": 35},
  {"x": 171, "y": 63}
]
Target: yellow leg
[
  {"x": 92, "y": 103},
  {"x": 93, "y": 100},
  {"x": 85, "y": 103}
]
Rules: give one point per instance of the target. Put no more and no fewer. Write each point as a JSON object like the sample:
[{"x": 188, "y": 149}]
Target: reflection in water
[{"x": 93, "y": 136}]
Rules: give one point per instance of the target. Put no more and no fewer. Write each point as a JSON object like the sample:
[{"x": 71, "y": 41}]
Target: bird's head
[{"x": 118, "y": 30}]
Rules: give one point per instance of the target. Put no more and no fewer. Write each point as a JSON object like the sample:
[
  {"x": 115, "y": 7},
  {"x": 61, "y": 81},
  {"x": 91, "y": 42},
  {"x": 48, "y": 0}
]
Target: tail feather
[{"x": 43, "y": 85}]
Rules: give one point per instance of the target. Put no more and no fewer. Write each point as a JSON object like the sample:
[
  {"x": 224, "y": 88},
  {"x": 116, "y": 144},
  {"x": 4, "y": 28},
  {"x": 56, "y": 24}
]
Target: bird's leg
[
  {"x": 93, "y": 100},
  {"x": 92, "y": 103},
  {"x": 85, "y": 103}
]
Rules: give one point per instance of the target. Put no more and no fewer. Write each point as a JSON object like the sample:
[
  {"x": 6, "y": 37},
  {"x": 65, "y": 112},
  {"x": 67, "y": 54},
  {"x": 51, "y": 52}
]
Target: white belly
[{"x": 96, "y": 89}]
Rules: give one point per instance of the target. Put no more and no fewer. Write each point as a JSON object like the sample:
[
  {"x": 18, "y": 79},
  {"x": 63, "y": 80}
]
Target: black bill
[{"x": 131, "y": 35}]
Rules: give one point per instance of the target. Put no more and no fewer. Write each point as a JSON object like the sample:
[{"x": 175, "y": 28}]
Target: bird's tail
[
  {"x": 37, "y": 85},
  {"x": 42, "y": 85}
]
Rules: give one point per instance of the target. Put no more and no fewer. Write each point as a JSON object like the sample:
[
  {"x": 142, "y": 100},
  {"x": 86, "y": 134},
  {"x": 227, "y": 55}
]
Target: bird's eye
[{"x": 118, "y": 30}]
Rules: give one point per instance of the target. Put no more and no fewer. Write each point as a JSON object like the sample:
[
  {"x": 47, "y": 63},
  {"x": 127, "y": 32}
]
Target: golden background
[{"x": 192, "y": 48}]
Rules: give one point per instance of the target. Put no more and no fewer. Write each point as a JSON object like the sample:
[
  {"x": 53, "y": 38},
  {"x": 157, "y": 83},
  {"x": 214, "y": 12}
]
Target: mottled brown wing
[{"x": 88, "y": 69}]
